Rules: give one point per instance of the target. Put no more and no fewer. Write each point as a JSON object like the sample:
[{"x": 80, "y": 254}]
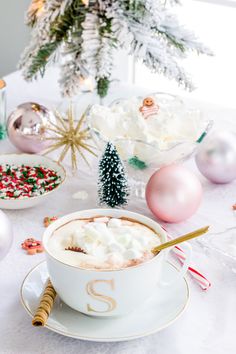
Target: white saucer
[{"x": 157, "y": 313}]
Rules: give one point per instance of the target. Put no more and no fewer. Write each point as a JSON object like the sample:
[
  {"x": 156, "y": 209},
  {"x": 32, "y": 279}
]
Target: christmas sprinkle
[
  {"x": 32, "y": 246},
  {"x": 48, "y": 220},
  {"x": 23, "y": 181},
  {"x": 136, "y": 163}
]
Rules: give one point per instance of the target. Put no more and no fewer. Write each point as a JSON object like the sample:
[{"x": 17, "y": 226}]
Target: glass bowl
[
  {"x": 222, "y": 246},
  {"x": 142, "y": 158}
]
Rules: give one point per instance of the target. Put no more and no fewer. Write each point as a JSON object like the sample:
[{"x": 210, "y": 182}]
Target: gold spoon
[{"x": 180, "y": 239}]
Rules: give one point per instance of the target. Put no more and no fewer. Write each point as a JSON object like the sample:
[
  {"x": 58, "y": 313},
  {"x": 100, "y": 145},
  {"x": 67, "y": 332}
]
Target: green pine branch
[
  {"x": 59, "y": 31},
  {"x": 40, "y": 60},
  {"x": 103, "y": 86},
  {"x": 172, "y": 40},
  {"x": 73, "y": 17},
  {"x": 135, "y": 6},
  {"x": 105, "y": 30},
  {"x": 137, "y": 11}
]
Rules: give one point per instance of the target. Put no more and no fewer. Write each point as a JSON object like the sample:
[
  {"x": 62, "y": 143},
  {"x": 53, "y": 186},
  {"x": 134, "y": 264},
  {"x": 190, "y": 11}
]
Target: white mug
[{"x": 107, "y": 292}]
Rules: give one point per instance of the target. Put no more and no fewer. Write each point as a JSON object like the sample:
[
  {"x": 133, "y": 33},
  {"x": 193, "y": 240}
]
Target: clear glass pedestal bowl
[{"x": 143, "y": 158}]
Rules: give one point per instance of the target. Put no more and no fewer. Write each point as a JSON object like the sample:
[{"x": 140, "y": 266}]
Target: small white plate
[
  {"x": 31, "y": 160},
  {"x": 156, "y": 314}
]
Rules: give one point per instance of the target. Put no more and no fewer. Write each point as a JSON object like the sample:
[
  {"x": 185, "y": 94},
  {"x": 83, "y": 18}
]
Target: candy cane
[{"x": 202, "y": 281}]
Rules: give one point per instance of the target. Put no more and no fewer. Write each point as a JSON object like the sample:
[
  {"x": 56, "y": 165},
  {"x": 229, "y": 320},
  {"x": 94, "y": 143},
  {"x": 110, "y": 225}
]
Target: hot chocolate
[{"x": 103, "y": 243}]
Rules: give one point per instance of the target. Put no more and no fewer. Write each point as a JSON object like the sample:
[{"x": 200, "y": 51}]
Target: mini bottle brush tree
[
  {"x": 88, "y": 33},
  {"x": 112, "y": 185}
]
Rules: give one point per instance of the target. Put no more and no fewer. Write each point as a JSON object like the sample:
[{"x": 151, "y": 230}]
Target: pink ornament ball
[
  {"x": 27, "y": 127},
  {"x": 173, "y": 193}
]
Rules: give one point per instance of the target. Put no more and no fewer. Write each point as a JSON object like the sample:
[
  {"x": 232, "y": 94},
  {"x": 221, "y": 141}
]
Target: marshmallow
[
  {"x": 115, "y": 259},
  {"x": 99, "y": 251},
  {"x": 91, "y": 233},
  {"x": 124, "y": 239},
  {"x": 135, "y": 244},
  {"x": 101, "y": 219},
  {"x": 143, "y": 241},
  {"x": 77, "y": 235},
  {"x": 114, "y": 222},
  {"x": 116, "y": 247},
  {"x": 99, "y": 226},
  {"x": 88, "y": 247},
  {"x": 106, "y": 237},
  {"x": 132, "y": 253},
  {"x": 109, "y": 243}
]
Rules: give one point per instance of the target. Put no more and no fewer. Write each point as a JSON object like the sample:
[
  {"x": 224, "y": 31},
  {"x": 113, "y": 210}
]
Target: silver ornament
[
  {"x": 6, "y": 235},
  {"x": 216, "y": 157},
  {"x": 27, "y": 127}
]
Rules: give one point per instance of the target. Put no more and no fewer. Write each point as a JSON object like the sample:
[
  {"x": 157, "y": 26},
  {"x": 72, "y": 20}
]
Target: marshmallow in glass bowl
[{"x": 149, "y": 132}]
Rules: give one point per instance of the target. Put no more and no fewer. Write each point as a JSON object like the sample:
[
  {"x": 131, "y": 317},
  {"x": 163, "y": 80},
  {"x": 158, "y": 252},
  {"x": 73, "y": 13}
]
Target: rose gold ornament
[
  {"x": 173, "y": 193},
  {"x": 27, "y": 127}
]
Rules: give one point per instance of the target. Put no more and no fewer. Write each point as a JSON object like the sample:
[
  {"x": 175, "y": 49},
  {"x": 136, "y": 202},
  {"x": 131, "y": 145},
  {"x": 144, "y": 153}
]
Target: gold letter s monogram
[{"x": 109, "y": 301}]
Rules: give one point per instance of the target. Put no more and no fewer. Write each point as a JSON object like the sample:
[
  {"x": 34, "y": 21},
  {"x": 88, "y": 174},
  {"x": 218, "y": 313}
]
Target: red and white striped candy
[{"x": 200, "y": 279}]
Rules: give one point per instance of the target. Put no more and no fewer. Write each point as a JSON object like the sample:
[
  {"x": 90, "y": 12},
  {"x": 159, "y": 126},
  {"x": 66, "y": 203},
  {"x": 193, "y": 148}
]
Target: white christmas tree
[{"x": 88, "y": 34}]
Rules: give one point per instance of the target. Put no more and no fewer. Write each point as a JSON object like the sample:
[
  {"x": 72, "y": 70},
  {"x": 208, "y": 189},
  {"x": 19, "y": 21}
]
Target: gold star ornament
[{"x": 70, "y": 135}]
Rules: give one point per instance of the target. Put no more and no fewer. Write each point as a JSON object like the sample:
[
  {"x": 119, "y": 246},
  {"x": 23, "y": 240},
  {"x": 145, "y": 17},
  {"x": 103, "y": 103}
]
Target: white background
[{"x": 215, "y": 77}]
